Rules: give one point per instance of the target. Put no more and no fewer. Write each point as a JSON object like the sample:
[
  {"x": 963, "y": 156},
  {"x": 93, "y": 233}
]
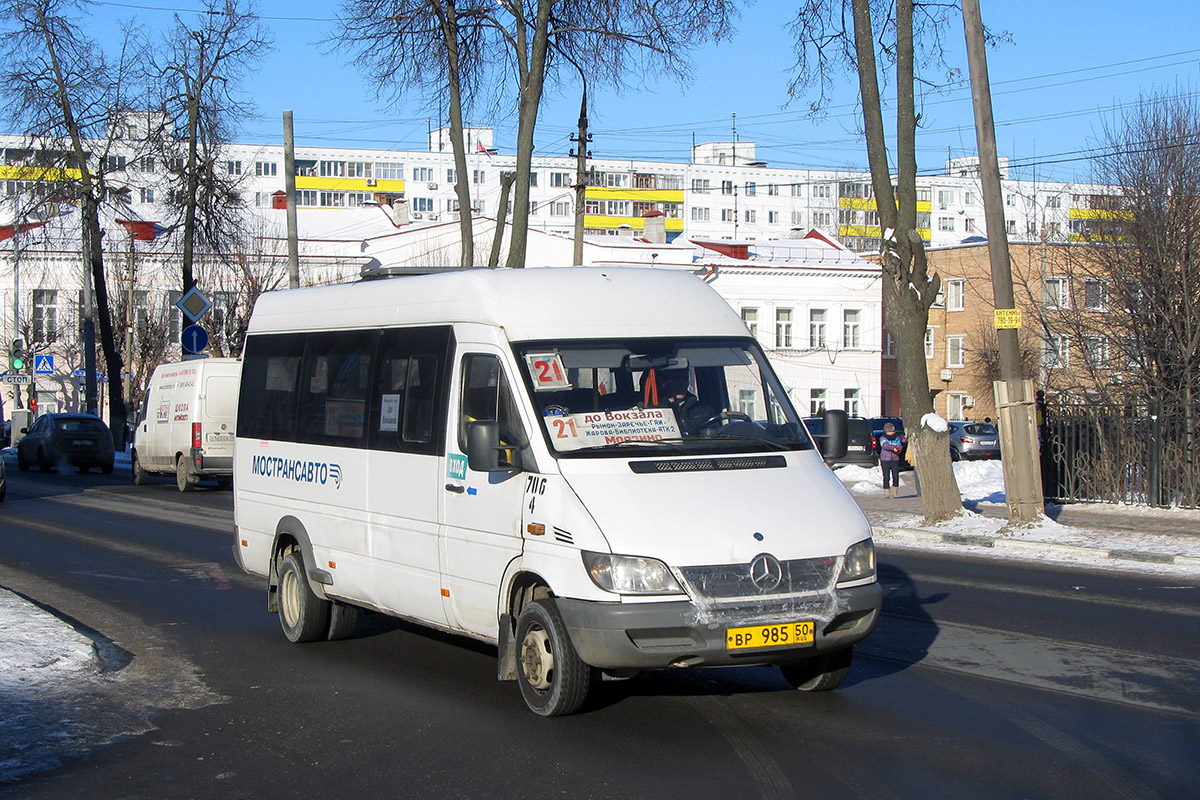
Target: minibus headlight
[
  {"x": 859, "y": 562},
  {"x": 630, "y": 574}
]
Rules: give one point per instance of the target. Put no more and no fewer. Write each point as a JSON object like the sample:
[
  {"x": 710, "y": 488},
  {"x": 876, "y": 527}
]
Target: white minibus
[{"x": 595, "y": 470}]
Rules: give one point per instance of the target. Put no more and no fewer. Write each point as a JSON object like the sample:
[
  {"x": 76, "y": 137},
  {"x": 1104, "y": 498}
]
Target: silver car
[{"x": 971, "y": 441}]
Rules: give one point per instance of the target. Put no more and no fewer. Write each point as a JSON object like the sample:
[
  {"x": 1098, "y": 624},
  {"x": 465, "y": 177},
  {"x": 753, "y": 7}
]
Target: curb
[{"x": 916, "y": 536}]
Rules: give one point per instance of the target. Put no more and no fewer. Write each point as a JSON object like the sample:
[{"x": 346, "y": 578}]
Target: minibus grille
[
  {"x": 707, "y": 464},
  {"x": 733, "y": 581}
]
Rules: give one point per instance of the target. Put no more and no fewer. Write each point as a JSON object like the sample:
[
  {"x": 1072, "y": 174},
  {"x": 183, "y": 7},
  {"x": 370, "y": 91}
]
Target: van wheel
[
  {"x": 303, "y": 615},
  {"x": 554, "y": 681},
  {"x": 182, "y": 478},
  {"x": 140, "y": 476},
  {"x": 819, "y": 673},
  {"x": 343, "y": 619}
]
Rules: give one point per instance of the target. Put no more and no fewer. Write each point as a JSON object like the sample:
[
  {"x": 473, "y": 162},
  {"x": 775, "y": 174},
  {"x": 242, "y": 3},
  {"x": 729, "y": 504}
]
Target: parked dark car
[
  {"x": 78, "y": 440},
  {"x": 3, "y": 481},
  {"x": 973, "y": 440},
  {"x": 877, "y": 424},
  {"x": 858, "y": 441}
]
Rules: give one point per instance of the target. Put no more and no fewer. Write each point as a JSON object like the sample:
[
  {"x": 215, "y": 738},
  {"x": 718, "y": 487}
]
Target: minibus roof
[{"x": 529, "y": 304}]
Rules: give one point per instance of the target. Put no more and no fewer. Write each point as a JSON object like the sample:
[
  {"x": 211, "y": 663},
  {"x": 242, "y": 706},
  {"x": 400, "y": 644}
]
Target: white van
[
  {"x": 509, "y": 455},
  {"x": 186, "y": 424}
]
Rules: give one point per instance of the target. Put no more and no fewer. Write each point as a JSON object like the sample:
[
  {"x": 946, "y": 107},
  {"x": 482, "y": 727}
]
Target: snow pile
[{"x": 38, "y": 648}]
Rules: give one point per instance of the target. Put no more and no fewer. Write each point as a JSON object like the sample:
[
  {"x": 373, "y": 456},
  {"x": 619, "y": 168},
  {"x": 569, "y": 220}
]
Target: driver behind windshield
[{"x": 674, "y": 393}]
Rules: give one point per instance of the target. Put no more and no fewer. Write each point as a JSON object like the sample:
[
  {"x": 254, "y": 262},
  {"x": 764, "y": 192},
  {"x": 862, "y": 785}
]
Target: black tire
[
  {"x": 43, "y": 462},
  {"x": 954, "y": 456},
  {"x": 140, "y": 476},
  {"x": 820, "y": 673},
  {"x": 343, "y": 619},
  {"x": 107, "y": 468},
  {"x": 182, "y": 478},
  {"x": 554, "y": 681},
  {"x": 85, "y": 468},
  {"x": 22, "y": 464},
  {"x": 303, "y": 616}
]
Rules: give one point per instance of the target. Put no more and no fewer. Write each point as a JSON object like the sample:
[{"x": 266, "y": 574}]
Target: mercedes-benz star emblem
[{"x": 766, "y": 573}]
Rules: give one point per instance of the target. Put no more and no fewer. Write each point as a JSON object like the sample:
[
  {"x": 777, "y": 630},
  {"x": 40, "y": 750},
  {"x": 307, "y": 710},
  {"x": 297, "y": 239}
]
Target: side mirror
[
  {"x": 24, "y": 430},
  {"x": 837, "y": 434},
  {"x": 485, "y": 450}
]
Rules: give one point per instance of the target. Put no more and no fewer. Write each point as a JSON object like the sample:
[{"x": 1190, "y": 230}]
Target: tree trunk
[
  {"x": 531, "y": 96},
  {"x": 462, "y": 186},
  {"x": 506, "y": 182}
]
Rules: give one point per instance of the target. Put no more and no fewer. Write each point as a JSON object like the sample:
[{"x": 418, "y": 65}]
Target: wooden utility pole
[
  {"x": 1014, "y": 394},
  {"x": 289, "y": 177}
]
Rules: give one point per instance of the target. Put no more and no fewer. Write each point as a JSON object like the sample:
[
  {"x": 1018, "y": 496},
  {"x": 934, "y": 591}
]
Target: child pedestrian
[{"x": 891, "y": 445}]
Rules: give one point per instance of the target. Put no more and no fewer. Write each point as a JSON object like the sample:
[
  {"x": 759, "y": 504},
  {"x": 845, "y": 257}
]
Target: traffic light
[{"x": 16, "y": 355}]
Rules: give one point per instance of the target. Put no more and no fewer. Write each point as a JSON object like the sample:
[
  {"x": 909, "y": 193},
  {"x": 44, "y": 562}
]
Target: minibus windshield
[{"x": 661, "y": 396}]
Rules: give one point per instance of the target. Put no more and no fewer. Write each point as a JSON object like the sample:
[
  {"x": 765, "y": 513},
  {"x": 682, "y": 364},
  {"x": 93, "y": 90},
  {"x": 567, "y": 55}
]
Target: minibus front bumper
[{"x": 655, "y": 635}]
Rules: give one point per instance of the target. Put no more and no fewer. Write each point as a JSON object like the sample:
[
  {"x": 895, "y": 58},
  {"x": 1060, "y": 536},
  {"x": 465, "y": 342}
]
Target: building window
[
  {"x": 265, "y": 169},
  {"x": 1010, "y": 199},
  {"x": 945, "y": 199},
  {"x": 822, "y": 219},
  {"x": 747, "y": 401},
  {"x": 1054, "y": 292},
  {"x": 751, "y": 215},
  {"x": 560, "y": 179},
  {"x": 116, "y": 163},
  {"x": 1054, "y": 201},
  {"x": 969, "y": 225},
  {"x": 1011, "y": 227},
  {"x": 750, "y": 317},
  {"x": 817, "y": 318},
  {"x": 955, "y": 290},
  {"x": 851, "y": 402},
  {"x": 233, "y": 167},
  {"x": 945, "y": 223},
  {"x": 1095, "y": 350},
  {"x": 147, "y": 195},
  {"x": 954, "y": 405},
  {"x": 1095, "y": 295},
  {"x": 816, "y": 402},
  {"x": 928, "y": 343},
  {"x": 772, "y": 190},
  {"x": 700, "y": 214},
  {"x": 727, "y": 215},
  {"x": 560, "y": 208},
  {"x": 852, "y": 329},
  {"x": 1054, "y": 352},
  {"x": 956, "y": 347},
  {"x": 797, "y": 218},
  {"x": 783, "y": 328},
  {"x": 726, "y": 187},
  {"x": 824, "y": 190},
  {"x": 773, "y": 217},
  {"x": 797, "y": 190},
  {"x": 751, "y": 189},
  {"x": 423, "y": 204},
  {"x": 45, "y": 315},
  {"x": 700, "y": 186}
]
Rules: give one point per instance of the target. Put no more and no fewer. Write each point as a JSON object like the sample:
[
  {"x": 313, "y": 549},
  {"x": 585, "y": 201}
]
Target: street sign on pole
[
  {"x": 194, "y": 339},
  {"x": 194, "y": 304},
  {"x": 43, "y": 365},
  {"x": 19, "y": 380}
]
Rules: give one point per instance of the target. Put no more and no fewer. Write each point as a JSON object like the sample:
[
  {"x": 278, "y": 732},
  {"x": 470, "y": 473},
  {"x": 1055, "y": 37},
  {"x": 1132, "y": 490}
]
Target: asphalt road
[{"x": 985, "y": 679}]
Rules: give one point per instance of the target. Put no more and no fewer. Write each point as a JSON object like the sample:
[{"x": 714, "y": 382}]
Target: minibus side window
[
  {"x": 334, "y": 387},
  {"x": 408, "y": 408},
  {"x": 270, "y": 373},
  {"x": 486, "y": 397}
]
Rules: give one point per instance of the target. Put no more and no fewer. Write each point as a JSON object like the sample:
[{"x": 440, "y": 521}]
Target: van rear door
[{"x": 218, "y": 409}]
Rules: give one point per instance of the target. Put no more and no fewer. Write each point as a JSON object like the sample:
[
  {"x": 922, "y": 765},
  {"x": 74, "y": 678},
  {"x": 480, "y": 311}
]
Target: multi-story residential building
[{"x": 722, "y": 192}]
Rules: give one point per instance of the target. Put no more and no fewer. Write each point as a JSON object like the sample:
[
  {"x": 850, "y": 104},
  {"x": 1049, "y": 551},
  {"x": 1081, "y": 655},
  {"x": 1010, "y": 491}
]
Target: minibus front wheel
[
  {"x": 554, "y": 681},
  {"x": 820, "y": 673},
  {"x": 303, "y": 615}
]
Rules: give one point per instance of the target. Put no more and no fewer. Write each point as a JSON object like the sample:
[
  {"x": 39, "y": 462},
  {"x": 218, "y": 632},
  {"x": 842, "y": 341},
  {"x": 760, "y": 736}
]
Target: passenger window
[
  {"x": 334, "y": 388},
  {"x": 409, "y": 405},
  {"x": 486, "y": 396},
  {"x": 270, "y": 373}
]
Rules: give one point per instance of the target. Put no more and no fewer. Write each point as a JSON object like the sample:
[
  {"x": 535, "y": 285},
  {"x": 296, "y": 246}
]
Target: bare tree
[
  {"x": 71, "y": 100},
  {"x": 428, "y": 46},
  {"x": 198, "y": 72},
  {"x": 858, "y": 34}
]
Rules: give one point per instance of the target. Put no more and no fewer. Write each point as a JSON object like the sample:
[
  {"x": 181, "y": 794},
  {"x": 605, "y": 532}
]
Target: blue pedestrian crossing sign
[{"x": 43, "y": 365}]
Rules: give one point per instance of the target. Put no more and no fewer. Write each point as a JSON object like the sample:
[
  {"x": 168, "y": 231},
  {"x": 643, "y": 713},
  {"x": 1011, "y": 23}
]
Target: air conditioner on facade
[
  {"x": 947, "y": 374},
  {"x": 968, "y": 401},
  {"x": 432, "y": 187},
  {"x": 417, "y": 215},
  {"x": 370, "y": 181}
]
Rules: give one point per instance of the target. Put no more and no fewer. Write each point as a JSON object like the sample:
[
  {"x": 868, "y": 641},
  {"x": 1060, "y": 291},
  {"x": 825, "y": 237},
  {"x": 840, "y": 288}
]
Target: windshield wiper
[{"x": 673, "y": 444}]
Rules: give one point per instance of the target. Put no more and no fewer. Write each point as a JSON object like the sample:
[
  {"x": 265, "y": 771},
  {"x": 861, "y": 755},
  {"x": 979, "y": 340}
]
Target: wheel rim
[
  {"x": 537, "y": 659},
  {"x": 289, "y": 598}
]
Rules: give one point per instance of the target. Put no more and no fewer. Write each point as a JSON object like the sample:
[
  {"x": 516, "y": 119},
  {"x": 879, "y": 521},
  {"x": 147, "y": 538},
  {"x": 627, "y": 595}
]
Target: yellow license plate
[{"x": 787, "y": 634}]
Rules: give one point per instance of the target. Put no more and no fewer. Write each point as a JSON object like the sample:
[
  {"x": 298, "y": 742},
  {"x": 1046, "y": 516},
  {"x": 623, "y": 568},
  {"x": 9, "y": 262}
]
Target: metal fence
[{"x": 1103, "y": 453}]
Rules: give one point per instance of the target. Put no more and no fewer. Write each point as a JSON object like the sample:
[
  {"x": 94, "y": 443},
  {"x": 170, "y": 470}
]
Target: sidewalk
[{"x": 1101, "y": 534}]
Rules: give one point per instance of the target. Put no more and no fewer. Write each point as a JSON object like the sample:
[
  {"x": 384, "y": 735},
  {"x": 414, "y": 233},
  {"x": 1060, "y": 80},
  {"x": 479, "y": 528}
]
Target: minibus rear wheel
[
  {"x": 303, "y": 615},
  {"x": 820, "y": 673},
  {"x": 554, "y": 681}
]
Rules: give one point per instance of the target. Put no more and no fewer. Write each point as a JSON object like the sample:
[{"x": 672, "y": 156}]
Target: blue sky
[{"x": 1070, "y": 67}]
